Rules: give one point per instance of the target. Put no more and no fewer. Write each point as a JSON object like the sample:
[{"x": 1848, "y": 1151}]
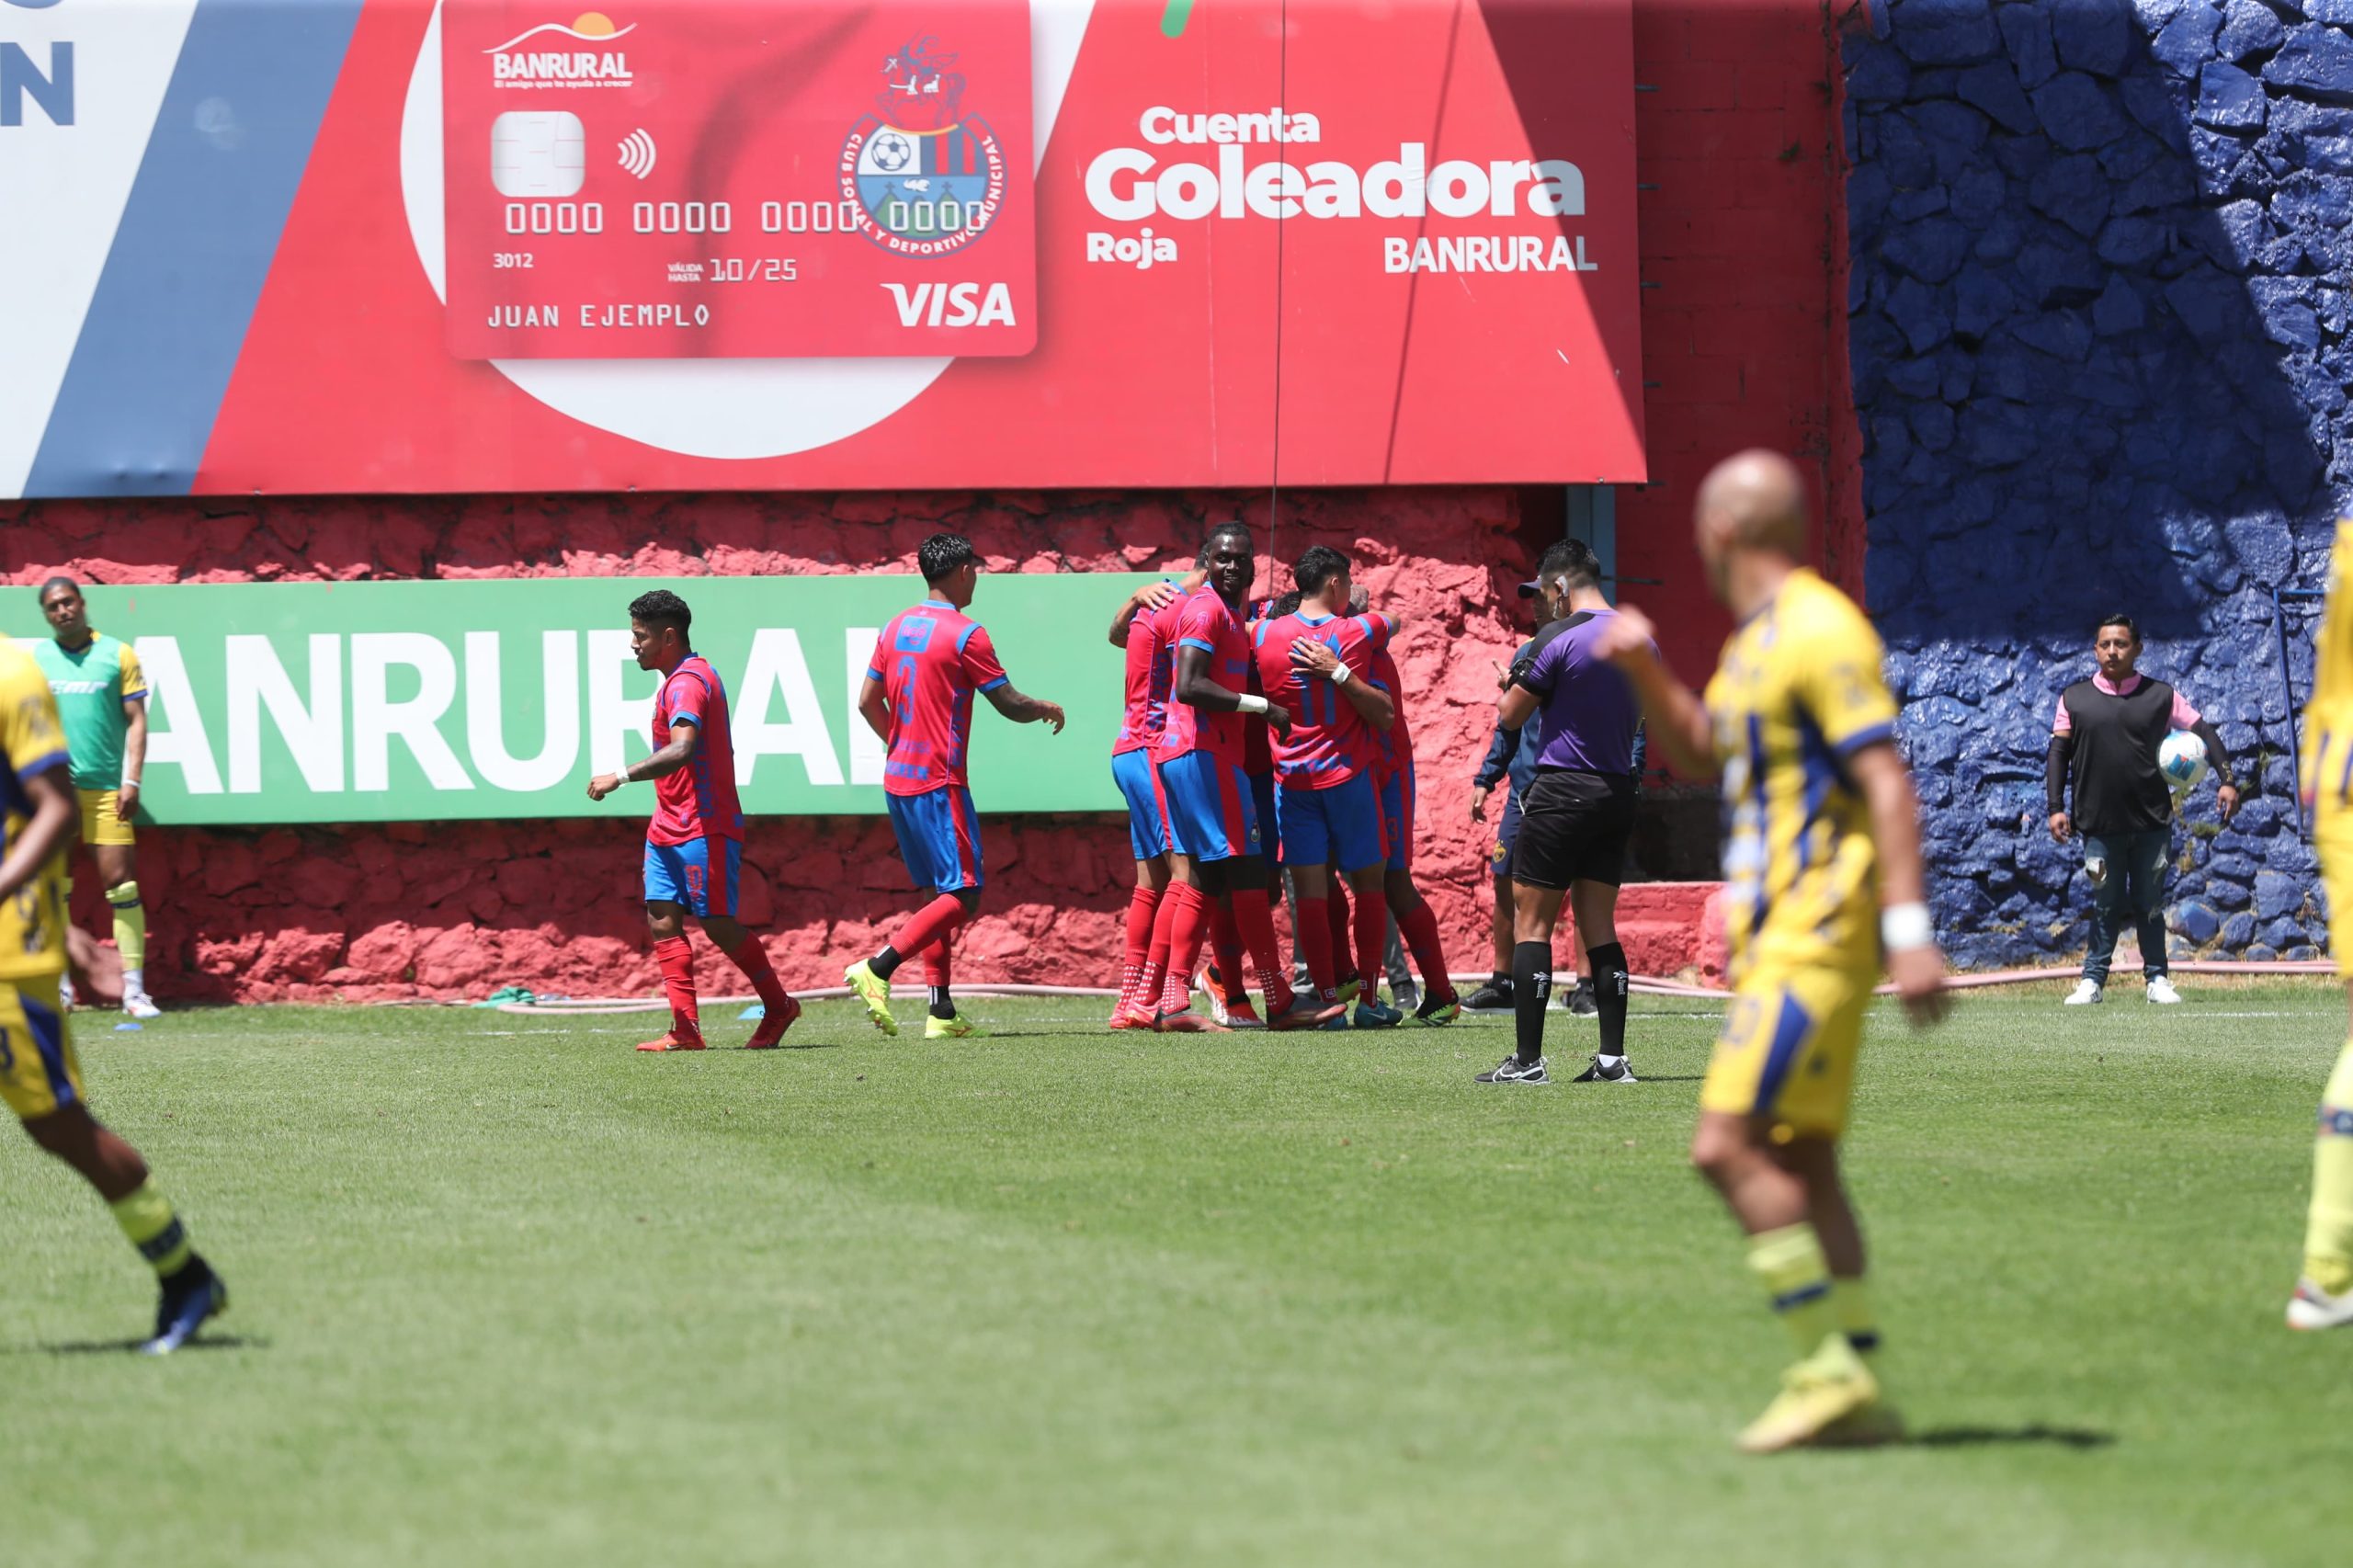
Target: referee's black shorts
[{"x": 1574, "y": 827}]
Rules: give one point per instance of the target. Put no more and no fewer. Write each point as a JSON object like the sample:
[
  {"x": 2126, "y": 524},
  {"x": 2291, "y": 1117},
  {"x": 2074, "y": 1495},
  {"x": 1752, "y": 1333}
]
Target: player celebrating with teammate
[
  {"x": 1416, "y": 922},
  {"x": 1824, "y": 838},
  {"x": 1212, "y": 818},
  {"x": 39, "y": 1077},
  {"x": 1141, "y": 627},
  {"x": 102, "y": 698},
  {"x": 1326, "y": 798},
  {"x": 918, "y": 697},
  {"x": 694, "y": 846}
]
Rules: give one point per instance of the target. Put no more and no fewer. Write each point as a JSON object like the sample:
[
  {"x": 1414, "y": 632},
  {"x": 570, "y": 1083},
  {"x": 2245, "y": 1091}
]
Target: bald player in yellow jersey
[
  {"x": 2323, "y": 1297},
  {"x": 1821, "y": 867},
  {"x": 39, "y": 1079}
]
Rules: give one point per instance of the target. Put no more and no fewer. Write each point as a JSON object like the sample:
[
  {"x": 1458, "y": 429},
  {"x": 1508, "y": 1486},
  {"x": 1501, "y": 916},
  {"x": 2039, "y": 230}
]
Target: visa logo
[{"x": 953, "y": 305}]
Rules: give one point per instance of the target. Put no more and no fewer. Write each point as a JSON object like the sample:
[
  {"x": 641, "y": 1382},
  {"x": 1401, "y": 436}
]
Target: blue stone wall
[{"x": 2102, "y": 266}]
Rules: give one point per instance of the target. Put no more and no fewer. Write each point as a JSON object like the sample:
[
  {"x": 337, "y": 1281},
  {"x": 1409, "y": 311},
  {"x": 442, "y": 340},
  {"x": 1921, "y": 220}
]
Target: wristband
[
  {"x": 1340, "y": 675},
  {"x": 1903, "y": 927},
  {"x": 621, "y": 776},
  {"x": 1246, "y": 704}
]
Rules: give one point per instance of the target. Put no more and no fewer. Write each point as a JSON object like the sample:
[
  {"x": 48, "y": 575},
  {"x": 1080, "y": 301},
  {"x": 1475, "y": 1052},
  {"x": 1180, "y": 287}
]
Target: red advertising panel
[
  {"x": 485, "y": 246},
  {"x": 765, "y": 184}
]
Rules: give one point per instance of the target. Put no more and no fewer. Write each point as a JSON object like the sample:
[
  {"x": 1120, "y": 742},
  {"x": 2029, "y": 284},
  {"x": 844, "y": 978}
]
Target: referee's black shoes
[
  {"x": 1495, "y": 997},
  {"x": 1617, "y": 1070},
  {"x": 1512, "y": 1070}
]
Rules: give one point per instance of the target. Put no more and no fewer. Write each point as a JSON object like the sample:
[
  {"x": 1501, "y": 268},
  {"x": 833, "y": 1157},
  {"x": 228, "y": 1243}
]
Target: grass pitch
[{"x": 507, "y": 1293}]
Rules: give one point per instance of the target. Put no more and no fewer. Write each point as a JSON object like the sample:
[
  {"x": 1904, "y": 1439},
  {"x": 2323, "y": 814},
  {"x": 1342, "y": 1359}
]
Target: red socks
[
  {"x": 677, "y": 961},
  {"x": 1336, "y": 924},
  {"x": 1225, "y": 947},
  {"x": 927, "y": 926},
  {"x": 1372, "y": 935},
  {"x": 936, "y": 964},
  {"x": 1419, "y": 927},
  {"x": 753, "y": 959},
  {"x": 1254, "y": 919},
  {"x": 1315, "y": 941},
  {"x": 1185, "y": 933},
  {"x": 1146, "y": 996},
  {"x": 1141, "y": 905}
]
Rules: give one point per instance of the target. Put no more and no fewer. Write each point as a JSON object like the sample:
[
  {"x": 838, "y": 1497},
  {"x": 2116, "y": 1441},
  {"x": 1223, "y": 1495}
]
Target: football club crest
[{"x": 924, "y": 176}]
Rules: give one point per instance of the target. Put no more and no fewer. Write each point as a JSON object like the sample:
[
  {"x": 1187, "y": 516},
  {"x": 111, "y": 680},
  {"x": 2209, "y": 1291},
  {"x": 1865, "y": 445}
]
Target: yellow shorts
[
  {"x": 38, "y": 1073},
  {"x": 100, "y": 822},
  {"x": 1788, "y": 1050},
  {"x": 2332, "y": 838}
]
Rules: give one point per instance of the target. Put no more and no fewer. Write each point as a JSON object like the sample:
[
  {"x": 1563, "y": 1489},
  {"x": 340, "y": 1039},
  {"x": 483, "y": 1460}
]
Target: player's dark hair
[
  {"x": 2121, "y": 620},
  {"x": 942, "y": 554},
  {"x": 1287, "y": 605},
  {"x": 1572, "y": 559},
  {"x": 1235, "y": 529},
  {"x": 1318, "y": 565},
  {"x": 660, "y": 606},
  {"x": 59, "y": 581}
]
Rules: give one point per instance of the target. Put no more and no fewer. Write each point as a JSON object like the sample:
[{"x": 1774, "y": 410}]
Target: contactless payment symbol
[{"x": 924, "y": 176}]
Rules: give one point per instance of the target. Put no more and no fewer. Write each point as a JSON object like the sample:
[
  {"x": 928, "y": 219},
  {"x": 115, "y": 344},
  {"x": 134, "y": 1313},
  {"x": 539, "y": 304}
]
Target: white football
[{"x": 2182, "y": 759}]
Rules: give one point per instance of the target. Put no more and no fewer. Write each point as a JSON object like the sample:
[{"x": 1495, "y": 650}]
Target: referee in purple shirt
[{"x": 1578, "y": 818}]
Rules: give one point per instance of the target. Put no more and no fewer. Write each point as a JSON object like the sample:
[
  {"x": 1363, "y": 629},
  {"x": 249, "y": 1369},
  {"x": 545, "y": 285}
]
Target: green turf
[{"x": 507, "y": 1293}]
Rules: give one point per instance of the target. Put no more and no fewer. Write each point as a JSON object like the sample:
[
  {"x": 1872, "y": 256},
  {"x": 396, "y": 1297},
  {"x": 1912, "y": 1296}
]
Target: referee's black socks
[
  {"x": 1532, "y": 986},
  {"x": 1609, "y": 965}
]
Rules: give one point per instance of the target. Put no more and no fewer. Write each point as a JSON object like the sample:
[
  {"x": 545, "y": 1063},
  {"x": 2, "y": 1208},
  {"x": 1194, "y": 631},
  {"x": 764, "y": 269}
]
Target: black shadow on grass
[
  {"x": 2077, "y": 1438},
  {"x": 131, "y": 1346}
]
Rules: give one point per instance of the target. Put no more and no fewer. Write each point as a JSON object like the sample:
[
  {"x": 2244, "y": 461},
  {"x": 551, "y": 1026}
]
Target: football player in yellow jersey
[
  {"x": 39, "y": 1077},
  {"x": 2323, "y": 1297},
  {"x": 1821, "y": 870}
]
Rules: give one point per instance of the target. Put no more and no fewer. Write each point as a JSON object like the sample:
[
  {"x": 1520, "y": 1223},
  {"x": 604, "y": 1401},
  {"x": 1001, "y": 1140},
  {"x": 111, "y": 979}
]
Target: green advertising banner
[{"x": 316, "y": 702}]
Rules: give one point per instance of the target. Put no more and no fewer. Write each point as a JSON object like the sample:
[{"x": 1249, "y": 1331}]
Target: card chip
[{"x": 542, "y": 153}]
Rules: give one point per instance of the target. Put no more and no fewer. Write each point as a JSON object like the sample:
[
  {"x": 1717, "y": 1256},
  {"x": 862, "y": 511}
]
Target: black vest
[{"x": 2117, "y": 786}]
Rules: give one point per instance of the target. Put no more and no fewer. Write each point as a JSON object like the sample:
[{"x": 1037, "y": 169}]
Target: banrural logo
[{"x": 536, "y": 58}]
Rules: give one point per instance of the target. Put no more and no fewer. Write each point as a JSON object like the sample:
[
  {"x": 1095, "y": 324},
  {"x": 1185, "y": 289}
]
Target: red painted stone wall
[
  {"x": 1743, "y": 343},
  {"x": 457, "y": 909}
]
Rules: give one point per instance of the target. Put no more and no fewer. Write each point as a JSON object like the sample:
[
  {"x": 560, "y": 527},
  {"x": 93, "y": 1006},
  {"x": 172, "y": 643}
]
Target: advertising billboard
[
  {"x": 323, "y": 247},
  {"x": 430, "y": 702}
]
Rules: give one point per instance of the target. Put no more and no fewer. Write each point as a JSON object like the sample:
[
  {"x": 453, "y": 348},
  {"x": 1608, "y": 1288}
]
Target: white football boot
[
  {"x": 2312, "y": 1307},
  {"x": 2162, "y": 993},
  {"x": 2085, "y": 992}
]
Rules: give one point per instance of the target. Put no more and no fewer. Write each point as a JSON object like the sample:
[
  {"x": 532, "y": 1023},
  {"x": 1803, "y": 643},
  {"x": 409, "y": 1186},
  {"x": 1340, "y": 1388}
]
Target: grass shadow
[
  {"x": 2077, "y": 1438},
  {"x": 131, "y": 1346}
]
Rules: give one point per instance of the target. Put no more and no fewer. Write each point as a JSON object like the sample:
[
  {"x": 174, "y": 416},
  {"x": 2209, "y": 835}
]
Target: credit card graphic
[{"x": 738, "y": 178}]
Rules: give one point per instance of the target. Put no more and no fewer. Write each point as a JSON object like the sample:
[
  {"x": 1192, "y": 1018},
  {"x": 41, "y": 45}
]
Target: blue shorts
[
  {"x": 1338, "y": 824},
  {"x": 939, "y": 838},
  {"x": 1211, "y": 815},
  {"x": 689, "y": 874},
  {"x": 1270, "y": 835},
  {"x": 1397, "y": 817},
  {"x": 1147, "y": 814}
]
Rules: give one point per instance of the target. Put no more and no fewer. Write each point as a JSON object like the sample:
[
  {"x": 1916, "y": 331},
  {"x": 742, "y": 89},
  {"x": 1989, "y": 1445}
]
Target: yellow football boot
[
  {"x": 1828, "y": 1398},
  {"x": 875, "y": 992}
]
